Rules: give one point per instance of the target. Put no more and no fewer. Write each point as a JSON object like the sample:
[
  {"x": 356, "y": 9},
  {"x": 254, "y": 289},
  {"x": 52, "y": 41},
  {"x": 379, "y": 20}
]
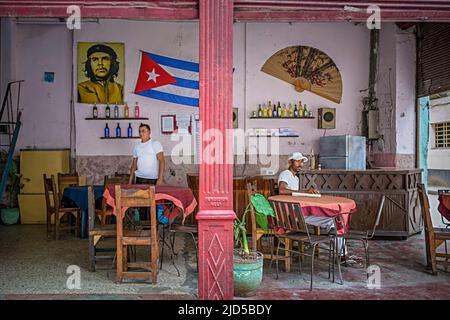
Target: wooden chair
[
  {"x": 134, "y": 197},
  {"x": 67, "y": 180},
  {"x": 106, "y": 211},
  {"x": 434, "y": 237},
  {"x": 125, "y": 176},
  {"x": 58, "y": 211},
  {"x": 97, "y": 233},
  {"x": 289, "y": 217}
]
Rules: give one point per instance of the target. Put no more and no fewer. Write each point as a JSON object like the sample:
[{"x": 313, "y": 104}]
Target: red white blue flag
[{"x": 168, "y": 79}]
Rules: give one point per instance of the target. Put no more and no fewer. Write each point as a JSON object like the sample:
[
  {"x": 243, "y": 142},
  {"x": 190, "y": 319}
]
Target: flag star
[{"x": 152, "y": 75}]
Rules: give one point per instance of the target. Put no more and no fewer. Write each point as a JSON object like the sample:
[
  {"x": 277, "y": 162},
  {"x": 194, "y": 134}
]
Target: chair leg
[
  {"x": 313, "y": 253},
  {"x": 125, "y": 258},
  {"x": 162, "y": 247},
  {"x": 276, "y": 262},
  {"x": 338, "y": 260},
  {"x": 77, "y": 224},
  {"x": 91, "y": 254},
  {"x": 56, "y": 226},
  {"x": 366, "y": 249},
  {"x": 196, "y": 250}
]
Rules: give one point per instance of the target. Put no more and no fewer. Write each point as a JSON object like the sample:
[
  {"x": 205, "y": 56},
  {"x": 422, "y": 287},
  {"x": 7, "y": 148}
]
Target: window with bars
[{"x": 442, "y": 135}]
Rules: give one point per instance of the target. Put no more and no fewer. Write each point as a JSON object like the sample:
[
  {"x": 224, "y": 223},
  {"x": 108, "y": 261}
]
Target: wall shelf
[
  {"x": 119, "y": 137},
  {"x": 131, "y": 119},
  {"x": 287, "y": 118}
]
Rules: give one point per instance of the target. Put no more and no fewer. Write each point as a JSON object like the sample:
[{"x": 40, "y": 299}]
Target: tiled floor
[{"x": 32, "y": 267}]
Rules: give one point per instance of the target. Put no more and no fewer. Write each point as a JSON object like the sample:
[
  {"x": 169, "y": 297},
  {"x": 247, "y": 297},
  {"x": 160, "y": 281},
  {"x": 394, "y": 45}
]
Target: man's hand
[
  {"x": 160, "y": 181},
  {"x": 312, "y": 190}
]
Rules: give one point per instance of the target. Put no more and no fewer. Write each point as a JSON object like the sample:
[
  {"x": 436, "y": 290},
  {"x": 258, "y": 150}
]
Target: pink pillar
[{"x": 215, "y": 217}]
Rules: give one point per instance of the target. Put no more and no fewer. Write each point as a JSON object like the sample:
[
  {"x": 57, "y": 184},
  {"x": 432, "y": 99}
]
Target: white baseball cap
[{"x": 298, "y": 156}]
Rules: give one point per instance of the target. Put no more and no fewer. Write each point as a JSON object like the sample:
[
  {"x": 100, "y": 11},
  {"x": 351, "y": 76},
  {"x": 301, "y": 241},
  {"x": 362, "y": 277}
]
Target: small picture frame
[{"x": 168, "y": 124}]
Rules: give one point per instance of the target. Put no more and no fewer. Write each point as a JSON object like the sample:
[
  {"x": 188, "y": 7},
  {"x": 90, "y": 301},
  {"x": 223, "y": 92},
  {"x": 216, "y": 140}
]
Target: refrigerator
[
  {"x": 342, "y": 152},
  {"x": 33, "y": 164}
]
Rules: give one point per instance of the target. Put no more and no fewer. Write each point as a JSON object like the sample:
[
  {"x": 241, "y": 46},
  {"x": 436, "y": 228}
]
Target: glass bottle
[
  {"x": 295, "y": 111},
  {"x": 305, "y": 111},
  {"x": 265, "y": 108},
  {"x": 269, "y": 110},
  {"x": 116, "y": 111},
  {"x": 260, "y": 112},
  {"x": 136, "y": 110},
  {"x": 126, "y": 111},
  {"x": 108, "y": 112},
  {"x": 279, "y": 110},
  {"x": 274, "y": 113},
  {"x": 312, "y": 159},
  {"x": 106, "y": 131},
  {"x": 118, "y": 131},
  {"x": 129, "y": 131},
  {"x": 300, "y": 109},
  {"x": 284, "y": 112},
  {"x": 95, "y": 111},
  {"x": 291, "y": 110}
]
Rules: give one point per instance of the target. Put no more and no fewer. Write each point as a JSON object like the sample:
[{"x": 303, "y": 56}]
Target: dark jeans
[{"x": 144, "y": 213}]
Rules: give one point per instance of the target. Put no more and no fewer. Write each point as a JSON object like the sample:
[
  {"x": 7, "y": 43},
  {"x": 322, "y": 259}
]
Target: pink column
[{"x": 215, "y": 217}]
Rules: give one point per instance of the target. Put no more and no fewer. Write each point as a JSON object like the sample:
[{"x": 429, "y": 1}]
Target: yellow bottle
[
  {"x": 269, "y": 110},
  {"x": 284, "y": 112},
  {"x": 264, "y": 111},
  {"x": 300, "y": 109},
  {"x": 291, "y": 110}
]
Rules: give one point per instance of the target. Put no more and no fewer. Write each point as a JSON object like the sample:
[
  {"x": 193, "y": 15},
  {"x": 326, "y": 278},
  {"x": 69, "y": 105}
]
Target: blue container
[
  {"x": 10, "y": 215},
  {"x": 247, "y": 274}
]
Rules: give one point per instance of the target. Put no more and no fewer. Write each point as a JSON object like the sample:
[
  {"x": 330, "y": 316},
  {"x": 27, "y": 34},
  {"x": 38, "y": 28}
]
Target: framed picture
[{"x": 168, "y": 124}]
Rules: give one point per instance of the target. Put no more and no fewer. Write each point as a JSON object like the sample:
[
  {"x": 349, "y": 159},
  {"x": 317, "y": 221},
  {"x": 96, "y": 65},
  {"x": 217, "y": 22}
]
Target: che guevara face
[{"x": 100, "y": 64}]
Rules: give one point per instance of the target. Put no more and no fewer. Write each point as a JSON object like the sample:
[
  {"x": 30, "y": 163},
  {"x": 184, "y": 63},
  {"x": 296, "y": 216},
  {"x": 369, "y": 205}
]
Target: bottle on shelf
[
  {"x": 106, "y": 131},
  {"x": 291, "y": 110},
  {"x": 295, "y": 111},
  {"x": 284, "y": 113},
  {"x": 260, "y": 112},
  {"x": 279, "y": 110},
  {"x": 312, "y": 160},
  {"x": 136, "y": 110},
  {"x": 107, "y": 112},
  {"x": 274, "y": 112},
  {"x": 300, "y": 109},
  {"x": 129, "y": 131},
  {"x": 116, "y": 111},
  {"x": 95, "y": 111},
  {"x": 126, "y": 111},
  {"x": 269, "y": 110},
  {"x": 118, "y": 131},
  {"x": 305, "y": 111},
  {"x": 265, "y": 113}
]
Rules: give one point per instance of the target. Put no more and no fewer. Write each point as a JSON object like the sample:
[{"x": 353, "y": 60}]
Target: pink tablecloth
[
  {"x": 324, "y": 206},
  {"x": 181, "y": 197}
]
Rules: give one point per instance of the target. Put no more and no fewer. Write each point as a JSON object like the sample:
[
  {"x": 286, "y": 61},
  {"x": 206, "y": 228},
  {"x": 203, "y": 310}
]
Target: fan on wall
[{"x": 308, "y": 69}]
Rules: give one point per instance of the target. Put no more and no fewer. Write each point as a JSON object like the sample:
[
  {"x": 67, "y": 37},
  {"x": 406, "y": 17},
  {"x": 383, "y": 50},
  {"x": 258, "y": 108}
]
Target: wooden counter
[{"x": 401, "y": 216}]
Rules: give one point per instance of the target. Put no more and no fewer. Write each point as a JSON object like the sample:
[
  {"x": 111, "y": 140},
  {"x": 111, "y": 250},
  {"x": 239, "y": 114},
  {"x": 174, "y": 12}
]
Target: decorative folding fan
[{"x": 308, "y": 69}]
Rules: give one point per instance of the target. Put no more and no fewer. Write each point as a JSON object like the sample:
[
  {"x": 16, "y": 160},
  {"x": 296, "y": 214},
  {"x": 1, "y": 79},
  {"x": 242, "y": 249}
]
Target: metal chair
[
  {"x": 289, "y": 216},
  {"x": 365, "y": 236},
  {"x": 434, "y": 237}
]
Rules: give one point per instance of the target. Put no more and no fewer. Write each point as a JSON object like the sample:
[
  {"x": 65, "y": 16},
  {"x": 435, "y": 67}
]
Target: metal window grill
[{"x": 442, "y": 135}]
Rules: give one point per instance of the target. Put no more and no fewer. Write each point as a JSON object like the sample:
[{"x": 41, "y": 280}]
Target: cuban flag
[{"x": 168, "y": 79}]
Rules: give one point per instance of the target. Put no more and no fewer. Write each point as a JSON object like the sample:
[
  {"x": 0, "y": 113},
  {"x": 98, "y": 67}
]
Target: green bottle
[
  {"x": 279, "y": 110},
  {"x": 305, "y": 111},
  {"x": 260, "y": 112},
  {"x": 295, "y": 111}
]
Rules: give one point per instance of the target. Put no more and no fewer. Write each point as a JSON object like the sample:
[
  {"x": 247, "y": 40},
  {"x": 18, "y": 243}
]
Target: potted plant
[
  {"x": 248, "y": 264},
  {"x": 10, "y": 214}
]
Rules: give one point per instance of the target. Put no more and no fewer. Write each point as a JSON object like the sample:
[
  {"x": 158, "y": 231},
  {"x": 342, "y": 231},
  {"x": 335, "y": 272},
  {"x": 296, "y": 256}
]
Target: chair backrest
[
  {"x": 378, "y": 216},
  {"x": 116, "y": 180},
  {"x": 274, "y": 191},
  {"x": 122, "y": 175},
  {"x": 251, "y": 189},
  {"x": 67, "y": 180},
  {"x": 50, "y": 187},
  {"x": 289, "y": 216},
  {"x": 192, "y": 182},
  {"x": 91, "y": 208},
  {"x": 425, "y": 207},
  {"x": 135, "y": 197}
]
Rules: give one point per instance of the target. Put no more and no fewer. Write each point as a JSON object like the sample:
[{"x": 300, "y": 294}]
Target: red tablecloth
[
  {"x": 182, "y": 198},
  {"x": 324, "y": 206},
  {"x": 444, "y": 205}
]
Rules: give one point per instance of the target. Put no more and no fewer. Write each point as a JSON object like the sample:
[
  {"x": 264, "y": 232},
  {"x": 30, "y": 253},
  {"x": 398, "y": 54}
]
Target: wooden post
[{"x": 215, "y": 217}]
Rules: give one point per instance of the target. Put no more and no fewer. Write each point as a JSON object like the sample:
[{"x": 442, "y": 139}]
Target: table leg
[{"x": 83, "y": 224}]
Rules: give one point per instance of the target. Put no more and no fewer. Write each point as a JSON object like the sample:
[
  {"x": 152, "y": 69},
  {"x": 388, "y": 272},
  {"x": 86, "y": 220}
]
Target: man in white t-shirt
[
  {"x": 289, "y": 182},
  {"x": 148, "y": 159}
]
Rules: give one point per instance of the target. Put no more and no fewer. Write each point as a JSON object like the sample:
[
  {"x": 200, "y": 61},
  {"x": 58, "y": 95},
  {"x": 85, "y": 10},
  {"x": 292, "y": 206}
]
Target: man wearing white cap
[{"x": 288, "y": 182}]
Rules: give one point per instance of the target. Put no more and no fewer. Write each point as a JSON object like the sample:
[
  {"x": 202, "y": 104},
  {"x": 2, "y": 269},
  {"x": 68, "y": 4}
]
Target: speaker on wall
[{"x": 327, "y": 118}]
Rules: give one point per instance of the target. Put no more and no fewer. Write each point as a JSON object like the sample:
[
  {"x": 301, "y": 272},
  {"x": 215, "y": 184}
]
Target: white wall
[
  {"x": 345, "y": 43},
  {"x": 439, "y": 112}
]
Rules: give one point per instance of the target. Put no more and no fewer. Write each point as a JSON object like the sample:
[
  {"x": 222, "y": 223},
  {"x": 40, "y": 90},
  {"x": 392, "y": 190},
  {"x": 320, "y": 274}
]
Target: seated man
[{"x": 288, "y": 182}]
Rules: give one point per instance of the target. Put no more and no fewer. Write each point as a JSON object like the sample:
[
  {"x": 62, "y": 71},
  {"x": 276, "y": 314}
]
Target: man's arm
[
  {"x": 162, "y": 165},
  {"x": 132, "y": 170},
  {"x": 282, "y": 188}
]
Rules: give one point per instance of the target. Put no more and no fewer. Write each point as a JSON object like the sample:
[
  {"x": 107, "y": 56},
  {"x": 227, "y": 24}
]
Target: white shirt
[
  {"x": 291, "y": 180},
  {"x": 147, "y": 162}
]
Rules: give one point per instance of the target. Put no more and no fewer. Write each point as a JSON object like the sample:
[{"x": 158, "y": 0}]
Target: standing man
[{"x": 148, "y": 159}]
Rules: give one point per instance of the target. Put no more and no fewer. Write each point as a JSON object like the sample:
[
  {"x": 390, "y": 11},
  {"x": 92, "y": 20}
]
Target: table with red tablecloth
[
  {"x": 181, "y": 197},
  {"x": 444, "y": 205},
  {"x": 324, "y": 206}
]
